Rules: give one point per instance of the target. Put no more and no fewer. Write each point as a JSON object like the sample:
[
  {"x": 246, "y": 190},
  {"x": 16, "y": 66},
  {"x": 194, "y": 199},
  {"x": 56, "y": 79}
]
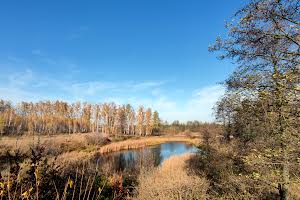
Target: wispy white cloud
[
  {"x": 197, "y": 106},
  {"x": 145, "y": 85},
  {"x": 202, "y": 103},
  {"x": 28, "y": 82},
  {"x": 89, "y": 88},
  {"x": 16, "y": 87},
  {"x": 20, "y": 79},
  {"x": 31, "y": 86}
]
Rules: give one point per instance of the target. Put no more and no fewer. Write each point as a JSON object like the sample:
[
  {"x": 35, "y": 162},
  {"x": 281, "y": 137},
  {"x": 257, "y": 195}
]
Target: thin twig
[
  {"x": 81, "y": 182},
  {"x": 86, "y": 187},
  {"x": 91, "y": 187},
  {"x": 57, "y": 193},
  {"x": 75, "y": 183}
]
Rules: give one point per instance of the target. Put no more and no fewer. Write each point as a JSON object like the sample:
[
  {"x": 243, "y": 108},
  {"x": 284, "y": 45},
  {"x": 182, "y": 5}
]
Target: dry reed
[{"x": 171, "y": 181}]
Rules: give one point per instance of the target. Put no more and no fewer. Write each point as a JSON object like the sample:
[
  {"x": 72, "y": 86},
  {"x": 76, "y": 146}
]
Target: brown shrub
[{"x": 96, "y": 139}]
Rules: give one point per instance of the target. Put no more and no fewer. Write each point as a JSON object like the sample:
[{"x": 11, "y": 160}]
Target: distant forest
[
  {"x": 56, "y": 117},
  {"x": 53, "y": 117}
]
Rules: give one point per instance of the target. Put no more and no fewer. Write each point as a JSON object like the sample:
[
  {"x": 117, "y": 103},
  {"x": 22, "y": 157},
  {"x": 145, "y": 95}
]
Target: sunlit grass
[{"x": 172, "y": 180}]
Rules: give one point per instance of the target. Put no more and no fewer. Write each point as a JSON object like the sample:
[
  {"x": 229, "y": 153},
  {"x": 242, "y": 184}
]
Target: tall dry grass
[
  {"x": 68, "y": 149},
  {"x": 82, "y": 186},
  {"x": 170, "y": 181},
  {"x": 62, "y": 142}
]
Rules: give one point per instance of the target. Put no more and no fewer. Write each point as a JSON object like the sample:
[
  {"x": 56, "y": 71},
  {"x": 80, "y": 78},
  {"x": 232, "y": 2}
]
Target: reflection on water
[{"x": 132, "y": 160}]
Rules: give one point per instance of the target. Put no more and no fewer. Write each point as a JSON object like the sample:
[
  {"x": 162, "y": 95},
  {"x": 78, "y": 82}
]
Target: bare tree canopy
[{"x": 261, "y": 106}]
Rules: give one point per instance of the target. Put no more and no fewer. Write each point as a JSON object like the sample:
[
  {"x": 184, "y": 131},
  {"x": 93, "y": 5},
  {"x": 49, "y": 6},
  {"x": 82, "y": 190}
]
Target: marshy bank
[
  {"x": 77, "y": 147},
  {"x": 133, "y": 160},
  {"x": 85, "y": 166}
]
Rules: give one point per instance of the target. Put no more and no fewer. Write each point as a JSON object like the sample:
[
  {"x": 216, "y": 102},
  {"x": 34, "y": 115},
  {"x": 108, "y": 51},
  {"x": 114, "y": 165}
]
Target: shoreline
[
  {"x": 125, "y": 145},
  {"x": 144, "y": 142},
  {"x": 80, "y": 147}
]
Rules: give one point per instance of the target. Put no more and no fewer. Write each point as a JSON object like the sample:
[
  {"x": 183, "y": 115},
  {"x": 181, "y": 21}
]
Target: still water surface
[{"x": 148, "y": 156}]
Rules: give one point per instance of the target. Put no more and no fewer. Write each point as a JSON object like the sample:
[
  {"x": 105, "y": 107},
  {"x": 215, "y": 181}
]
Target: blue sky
[{"x": 144, "y": 52}]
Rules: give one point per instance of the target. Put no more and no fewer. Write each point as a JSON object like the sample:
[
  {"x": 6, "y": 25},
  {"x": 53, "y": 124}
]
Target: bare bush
[{"x": 95, "y": 139}]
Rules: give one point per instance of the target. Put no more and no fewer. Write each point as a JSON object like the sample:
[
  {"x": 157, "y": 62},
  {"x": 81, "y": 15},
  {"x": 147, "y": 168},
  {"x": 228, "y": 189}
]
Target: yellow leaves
[
  {"x": 255, "y": 175},
  {"x": 276, "y": 172},
  {"x": 70, "y": 183},
  {"x": 26, "y": 194},
  {"x": 268, "y": 150},
  {"x": 9, "y": 184},
  {"x": 297, "y": 88},
  {"x": 268, "y": 155},
  {"x": 37, "y": 176},
  {"x": 275, "y": 76},
  {"x": 264, "y": 93},
  {"x": 247, "y": 18},
  {"x": 2, "y": 187},
  {"x": 262, "y": 157},
  {"x": 259, "y": 156}
]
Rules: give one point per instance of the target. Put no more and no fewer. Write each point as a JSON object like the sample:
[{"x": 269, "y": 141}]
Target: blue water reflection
[{"x": 147, "y": 156}]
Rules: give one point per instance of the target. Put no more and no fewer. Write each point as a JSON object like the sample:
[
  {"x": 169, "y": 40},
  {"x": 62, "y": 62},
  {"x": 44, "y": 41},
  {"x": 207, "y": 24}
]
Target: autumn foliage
[{"x": 52, "y": 117}]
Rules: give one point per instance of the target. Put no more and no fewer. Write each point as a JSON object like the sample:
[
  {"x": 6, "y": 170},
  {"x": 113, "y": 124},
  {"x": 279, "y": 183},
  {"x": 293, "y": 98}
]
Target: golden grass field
[{"x": 172, "y": 180}]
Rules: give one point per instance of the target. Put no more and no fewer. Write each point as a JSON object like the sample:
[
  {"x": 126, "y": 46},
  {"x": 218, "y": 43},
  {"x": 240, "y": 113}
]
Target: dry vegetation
[
  {"x": 52, "y": 161},
  {"x": 57, "y": 117},
  {"x": 258, "y": 156},
  {"x": 133, "y": 143},
  {"x": 78, "y": 147},
  {"x": 172, "y": 180},
  {"x": 54, "y": 145},
  {"x": 149, "y": 141},
  {"x": 61, "y": 141}
]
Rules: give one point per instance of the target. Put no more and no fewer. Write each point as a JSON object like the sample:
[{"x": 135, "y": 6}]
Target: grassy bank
[
  {"x": 57, "y": 166},
  {"x": 82, "y": 141},
  {"x": 127, "y": 144},
  {"x": 79, "y": 147},
  {"x": 147, "y": 141},
  {"x": 55, "y": 143}
]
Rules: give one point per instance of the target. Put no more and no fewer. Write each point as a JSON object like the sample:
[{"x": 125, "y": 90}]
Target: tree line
[
  {"x": 52, "y": 117},
  {"x": 261, "y": 106},
  {"x": 189, "y": 126}
]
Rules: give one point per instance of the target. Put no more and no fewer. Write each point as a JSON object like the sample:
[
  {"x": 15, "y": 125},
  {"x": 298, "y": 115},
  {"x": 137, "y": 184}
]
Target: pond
[{"x": 151, "y": 156}]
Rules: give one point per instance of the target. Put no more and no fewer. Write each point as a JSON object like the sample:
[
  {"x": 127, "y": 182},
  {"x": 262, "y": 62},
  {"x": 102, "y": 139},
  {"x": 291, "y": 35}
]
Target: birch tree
[
  {"x": 140, "y": 120},
  {"x": 148, "y": 121}
]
